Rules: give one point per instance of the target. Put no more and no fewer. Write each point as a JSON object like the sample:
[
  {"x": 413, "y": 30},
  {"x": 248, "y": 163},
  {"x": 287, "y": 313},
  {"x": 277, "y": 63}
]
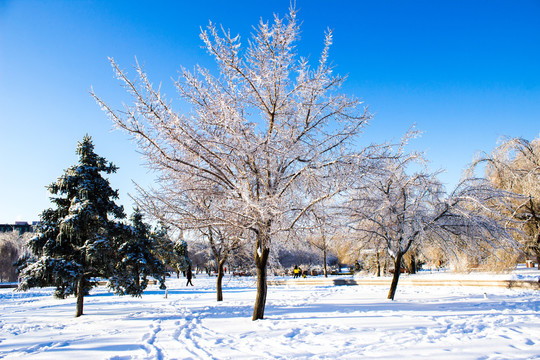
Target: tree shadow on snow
[{"x": 475, "y": 305}]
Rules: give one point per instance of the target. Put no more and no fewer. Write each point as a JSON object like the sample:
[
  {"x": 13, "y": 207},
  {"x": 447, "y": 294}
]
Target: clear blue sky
[{"x": 466, "y": 72}]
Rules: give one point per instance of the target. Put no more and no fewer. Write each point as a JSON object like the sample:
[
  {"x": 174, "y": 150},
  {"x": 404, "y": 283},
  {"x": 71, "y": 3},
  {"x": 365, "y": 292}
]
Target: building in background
[{"x": 20, "y": 226}]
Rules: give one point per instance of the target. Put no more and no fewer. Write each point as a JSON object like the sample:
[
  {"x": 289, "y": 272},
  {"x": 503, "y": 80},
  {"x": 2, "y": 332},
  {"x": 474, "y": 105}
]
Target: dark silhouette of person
[{"x": 189, "y": 275}]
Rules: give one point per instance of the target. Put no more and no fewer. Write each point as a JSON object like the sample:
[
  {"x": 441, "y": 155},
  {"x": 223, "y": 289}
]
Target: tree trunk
[
  {"x": 261, "y": 260},
  {"x": 80, "y": 297},
  {"x": 378, "y": 265},
  {"x": 324, "y": 262},
  {"x": 412, "y": 265},
  {"x": 219, "y": 290},
  {"x": 395, "y": 278},
  {"x": 537, "y": 249}
]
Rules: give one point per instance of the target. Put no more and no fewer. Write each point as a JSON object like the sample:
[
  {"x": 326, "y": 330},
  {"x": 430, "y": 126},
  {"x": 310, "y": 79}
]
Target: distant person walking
[
  {"x": 296, "y": 272},
  {"x": 189, "y": 275}
]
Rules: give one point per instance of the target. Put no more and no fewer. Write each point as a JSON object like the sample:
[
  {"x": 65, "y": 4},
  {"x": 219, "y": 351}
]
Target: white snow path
[{"x": 346, "y": 322}]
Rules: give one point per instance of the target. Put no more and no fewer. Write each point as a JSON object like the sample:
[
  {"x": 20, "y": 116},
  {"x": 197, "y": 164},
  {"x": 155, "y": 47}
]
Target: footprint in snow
[{"x": 291, "y": 334}]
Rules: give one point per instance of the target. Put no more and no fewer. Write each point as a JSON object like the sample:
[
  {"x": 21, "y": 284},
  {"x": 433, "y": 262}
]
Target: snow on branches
[{"x": 260, "y": 136}]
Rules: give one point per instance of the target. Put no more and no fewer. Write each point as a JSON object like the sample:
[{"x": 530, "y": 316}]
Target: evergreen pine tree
[
  {"x": 135, "y": 259},
  {"x": 163, "y": 249},
  {"x": 73, "y": 245},
  {"x": 181, "y": 251}
]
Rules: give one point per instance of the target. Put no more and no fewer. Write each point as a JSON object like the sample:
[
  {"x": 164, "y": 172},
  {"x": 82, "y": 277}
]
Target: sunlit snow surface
[{"x": 301, "y": 322}]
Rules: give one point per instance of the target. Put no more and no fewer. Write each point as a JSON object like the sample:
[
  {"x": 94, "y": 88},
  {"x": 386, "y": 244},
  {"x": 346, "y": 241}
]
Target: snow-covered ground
[{"x": 302, "y": 322}]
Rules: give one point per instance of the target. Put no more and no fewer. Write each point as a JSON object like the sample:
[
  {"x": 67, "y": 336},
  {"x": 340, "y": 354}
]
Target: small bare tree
[
  {"x": 368, "y": 245},
  {"x": 261, "y": 135},
  {"x": 223, "y": 244},
  {"x": 320, "y": 239},
  {"x": 321, "y": 228}
]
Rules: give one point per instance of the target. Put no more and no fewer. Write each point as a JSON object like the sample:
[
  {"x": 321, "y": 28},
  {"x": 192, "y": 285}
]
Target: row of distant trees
[{"x": 266, "y": 156}]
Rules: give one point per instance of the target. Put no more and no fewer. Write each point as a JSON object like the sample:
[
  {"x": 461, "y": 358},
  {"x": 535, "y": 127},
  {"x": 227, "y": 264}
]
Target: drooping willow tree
[
  {"x": 403, "y": 206},
  {"x": 514, "y": 166}
]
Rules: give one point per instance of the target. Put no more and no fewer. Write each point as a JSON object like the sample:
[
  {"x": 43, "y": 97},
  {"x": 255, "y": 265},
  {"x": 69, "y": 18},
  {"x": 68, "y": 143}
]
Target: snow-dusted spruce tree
[
  {"x": 135, "y": 259},
  {"x": 514, "y": 166},
  {"x": 182, "y": 253},
  {"x": 73, "y": 243},
  {"x": 258, "y": 135},
  {"x": 404, "y": 206},
  {"x": 164, "y": 249}
]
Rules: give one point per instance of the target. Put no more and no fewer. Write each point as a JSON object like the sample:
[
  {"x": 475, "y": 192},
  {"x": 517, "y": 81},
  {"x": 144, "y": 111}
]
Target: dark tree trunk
[
  {"x": 395, "y": 278},
  {"x": 261, "y": 260},
  {"x": 378, "y": 265},
  {"x": 324, "y": 262},
  {"x": 412, "y": 265},
  {"x": 537, "y": 249},
  {"x": 80, "y": 297},
  {"x": 219, "y": 281}
]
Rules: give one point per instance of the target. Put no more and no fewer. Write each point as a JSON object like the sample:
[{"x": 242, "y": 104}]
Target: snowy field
[{"x": 302, "y": 322}]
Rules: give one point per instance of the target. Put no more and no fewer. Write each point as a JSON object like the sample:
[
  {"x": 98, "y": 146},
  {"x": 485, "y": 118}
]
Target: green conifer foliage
[
  {"x": 136, "y": 261},
  {"x": 181, "y": 250},
  {"x": 164, "y": 249},
  {"x": 73, "y": 245}
]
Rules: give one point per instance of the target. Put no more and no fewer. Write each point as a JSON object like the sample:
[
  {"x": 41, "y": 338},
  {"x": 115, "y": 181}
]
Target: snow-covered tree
[
  {"x": 404, "y": 205},
  {"x": 514, "y": 166},
  {"x": 73, "y": 244},
  {"x": 135, "y": 261},
  {"x": 182, "y": 253},
  {"x": 12, "y": 246},
  {"x": 321, "y": 227},
  {"x": 222, "y": 243},
  {"x": 164, "y": 250},
  {"x": 263, "y": 135}
]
